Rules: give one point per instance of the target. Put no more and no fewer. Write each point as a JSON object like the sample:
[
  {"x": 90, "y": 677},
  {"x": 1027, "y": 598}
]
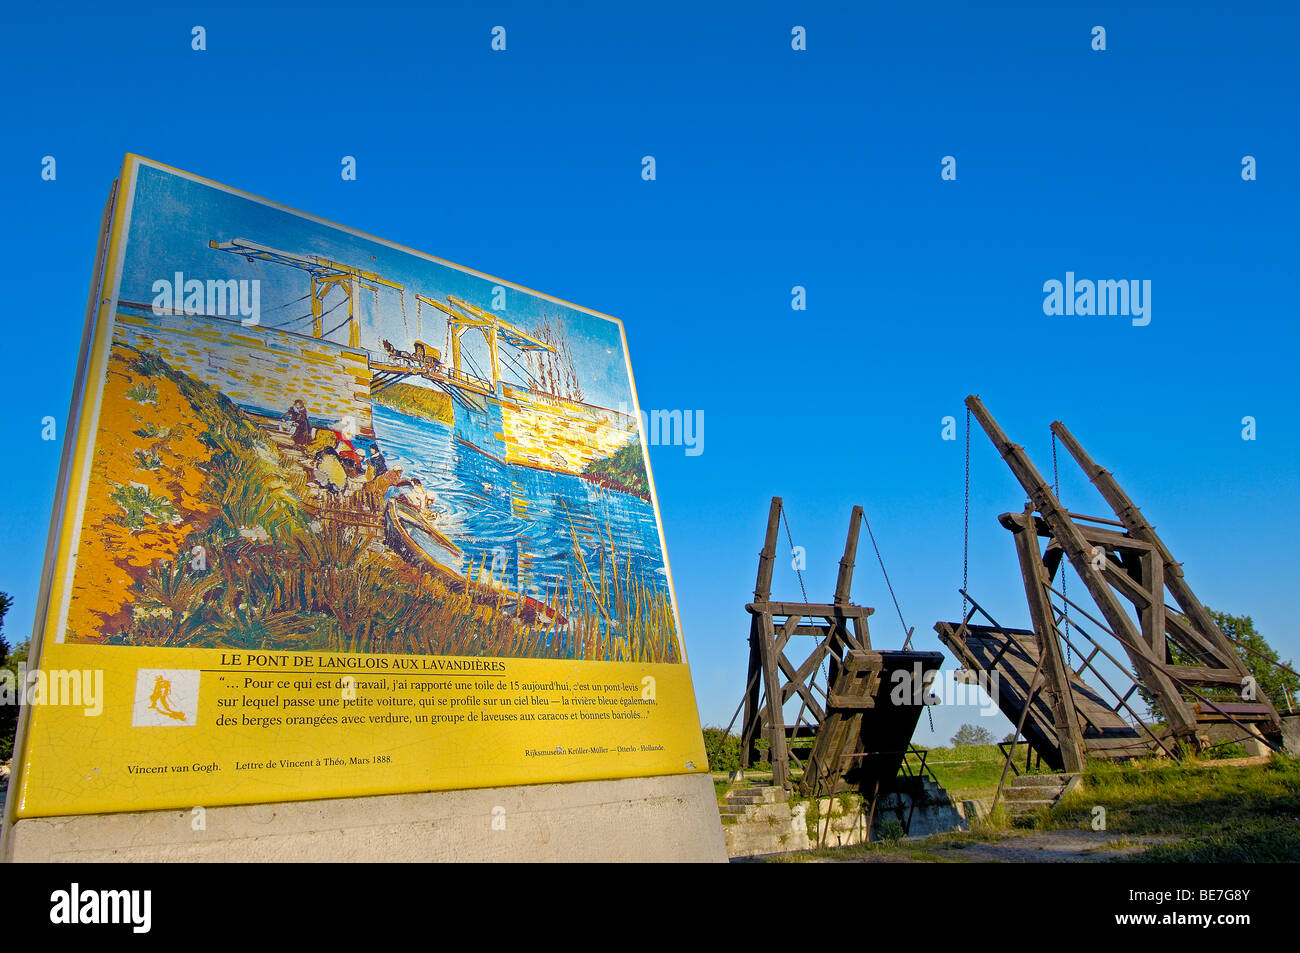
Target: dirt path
[
  {"x": 1042, "y": 847},
  {"x": 1051, "y": 847}
]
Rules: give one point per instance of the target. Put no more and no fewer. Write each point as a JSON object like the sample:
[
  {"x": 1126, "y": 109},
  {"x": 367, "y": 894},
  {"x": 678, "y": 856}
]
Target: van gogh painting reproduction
[{"x": 307, "y": 438}]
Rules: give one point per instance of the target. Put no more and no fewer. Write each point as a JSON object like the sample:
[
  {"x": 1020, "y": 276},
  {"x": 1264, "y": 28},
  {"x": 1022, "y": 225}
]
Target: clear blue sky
[{"x": 775, "y": 168}]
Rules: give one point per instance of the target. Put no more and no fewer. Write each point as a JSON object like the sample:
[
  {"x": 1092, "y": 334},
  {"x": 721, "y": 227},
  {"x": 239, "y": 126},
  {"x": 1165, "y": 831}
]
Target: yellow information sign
[{"x": 338, "y": 519}]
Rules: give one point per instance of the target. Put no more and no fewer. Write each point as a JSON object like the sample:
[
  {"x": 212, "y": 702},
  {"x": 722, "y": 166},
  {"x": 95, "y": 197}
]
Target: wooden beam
[
  {"x": 861, "y": 638},
  {"x": 1138, "y": 526},
  {"x": 815, "y": 610},
  {"x": 750, "y": 725},
  {"x": 1059, "y": 696},
  {"x": 1152, "y": 615},
  {"x": 844, "y": 581},
  {"x": 763, "y": 585},
  {"x": 1141, "y": 597},
  {"x": 778, "y": 751},
  {"x": 796, "y": 684},
  {"x": 1103, "y": 537},
  {"x": 1200, "y": 674}
]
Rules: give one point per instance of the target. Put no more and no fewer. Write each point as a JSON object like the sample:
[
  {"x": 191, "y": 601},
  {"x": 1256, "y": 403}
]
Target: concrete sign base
[{"x": 673, "y": 818}]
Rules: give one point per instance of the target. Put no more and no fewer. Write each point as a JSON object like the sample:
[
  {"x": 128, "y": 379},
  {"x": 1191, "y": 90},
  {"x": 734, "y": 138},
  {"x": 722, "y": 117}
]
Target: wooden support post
[
  {"x": 853, "y": 689},
  {"x": 778, "y": 751},
  {"x": 844, "y": 582},
  {"x": 763, "y": 586},
  {"x": 1153, "y": 615},
  {"x": 1060, "y": 697},
  {"x": 750, "y": 726}
]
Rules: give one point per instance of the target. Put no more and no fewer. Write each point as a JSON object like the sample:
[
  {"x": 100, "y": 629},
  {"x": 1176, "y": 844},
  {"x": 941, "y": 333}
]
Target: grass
[
  {"x": 612, "y": 615},
  {"x": 902, "y": 850},
  {"x": 972, "y": 771},
  {"x": 929, "y": 850},
  {"x": 1211, "y": 813},
  {"x": 1258, "y": 841},
  {"x": 1221, "y": 813},
  {"x": 1120, "y": 843}
]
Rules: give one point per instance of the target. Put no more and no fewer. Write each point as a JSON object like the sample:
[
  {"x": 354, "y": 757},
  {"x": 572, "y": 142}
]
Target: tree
[
  {"x": 968, "y": 735},
  {"x": 1260, "y": 658},
  {"x": 1276, "y": 684},
  {"x": 8, "y": 713}
]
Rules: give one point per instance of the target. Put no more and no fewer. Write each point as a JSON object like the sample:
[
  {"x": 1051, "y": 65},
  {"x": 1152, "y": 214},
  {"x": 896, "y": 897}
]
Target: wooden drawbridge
[
  {"x": 853, "y": 731},
  {"x": 1176, "y": 655}
]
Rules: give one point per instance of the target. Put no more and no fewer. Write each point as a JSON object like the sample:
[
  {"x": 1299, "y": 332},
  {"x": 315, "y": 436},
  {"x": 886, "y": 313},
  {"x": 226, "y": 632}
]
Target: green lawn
[
  {"x": 965, "y": 772},
  {"x": 1205, "y": 812},
  {"x": 971, "y": 771},
  {"x": 1223, "y": 813}
]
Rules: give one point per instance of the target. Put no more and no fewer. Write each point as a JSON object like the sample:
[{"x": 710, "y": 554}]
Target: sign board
[{"x": 339, "y": 518}]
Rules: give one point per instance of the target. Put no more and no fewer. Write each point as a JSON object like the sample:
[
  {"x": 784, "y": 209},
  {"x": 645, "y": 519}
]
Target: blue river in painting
[{"x": 518, "y": 516}]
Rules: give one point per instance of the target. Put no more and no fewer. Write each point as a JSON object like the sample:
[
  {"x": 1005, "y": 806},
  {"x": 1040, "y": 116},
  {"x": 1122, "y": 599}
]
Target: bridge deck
[{"x": 1013, "y": 655}]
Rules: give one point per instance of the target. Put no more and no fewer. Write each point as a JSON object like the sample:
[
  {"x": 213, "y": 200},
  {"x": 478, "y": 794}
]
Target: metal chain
[{"x": 1065, "y": 564}]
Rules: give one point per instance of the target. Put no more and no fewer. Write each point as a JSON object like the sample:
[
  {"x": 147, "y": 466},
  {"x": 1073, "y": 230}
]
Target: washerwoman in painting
[
  {"x": 297, "y": 418},
  {"x": 329, "y": 471}
]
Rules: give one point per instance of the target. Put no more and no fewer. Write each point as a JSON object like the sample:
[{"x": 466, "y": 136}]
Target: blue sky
[{"x": 775, "y": 168}]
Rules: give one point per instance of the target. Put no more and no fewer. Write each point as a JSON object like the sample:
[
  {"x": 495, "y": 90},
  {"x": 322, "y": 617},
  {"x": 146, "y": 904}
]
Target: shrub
[
  {"x": 723, "y": 750},
  {"x": 891, "y": 831}
]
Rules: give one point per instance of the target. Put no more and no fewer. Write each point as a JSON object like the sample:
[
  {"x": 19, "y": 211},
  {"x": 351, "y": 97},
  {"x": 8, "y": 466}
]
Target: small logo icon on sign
[{"x": 165, "y": 697}]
